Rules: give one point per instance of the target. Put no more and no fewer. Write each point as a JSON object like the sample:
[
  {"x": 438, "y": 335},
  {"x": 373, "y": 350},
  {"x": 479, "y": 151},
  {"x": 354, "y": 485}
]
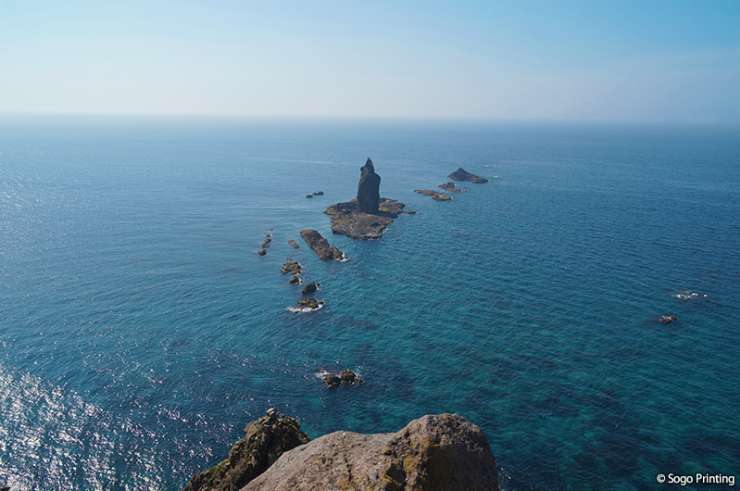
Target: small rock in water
[
  {"x": 265, "y": 244},
  {"x": 318, "y": 193},
  {"x": 667, "y": 318},
  {"x": 309, "y": 196},
  {"x": 462, "y": 175},
  {"x": 292, "y": 243},
  {"x": 296, "y": 280},
  {"x": 330, "y": 379},
  {"x": 451, "y": 188},
  {"x": 291, "y": 266},
  {"x": 307, "y": 305},
  {"x": 435, "y": 195},
  {"x": 346, "y": 376},
  {"x": 311, "y": 288},
  {"x": 686, "y": 295}
]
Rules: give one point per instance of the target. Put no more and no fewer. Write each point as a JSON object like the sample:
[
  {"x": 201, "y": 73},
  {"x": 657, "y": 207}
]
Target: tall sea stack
[{"x": 368, "y": 190}]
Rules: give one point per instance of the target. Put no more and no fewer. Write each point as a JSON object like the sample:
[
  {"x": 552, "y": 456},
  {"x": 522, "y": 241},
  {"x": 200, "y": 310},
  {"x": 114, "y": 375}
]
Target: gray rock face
[
  {"x": 368, "y": 189},
  {"x": 434, "y": 453},
  {"x": 264, "y": 441}
]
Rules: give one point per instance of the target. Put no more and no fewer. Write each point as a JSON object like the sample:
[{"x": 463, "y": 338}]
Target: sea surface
[{"x": 140, "y": 331}]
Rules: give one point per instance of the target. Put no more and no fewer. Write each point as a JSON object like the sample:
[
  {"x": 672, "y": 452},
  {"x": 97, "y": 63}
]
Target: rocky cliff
[
  {"x": 442, "y": 452},
  {"x": 265, "y": 439},
  {"x": 368, "y": 189}
]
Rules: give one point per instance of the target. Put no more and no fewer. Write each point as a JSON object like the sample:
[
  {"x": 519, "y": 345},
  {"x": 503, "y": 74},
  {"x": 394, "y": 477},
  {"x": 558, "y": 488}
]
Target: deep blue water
[{"x": 140, "y": 331}]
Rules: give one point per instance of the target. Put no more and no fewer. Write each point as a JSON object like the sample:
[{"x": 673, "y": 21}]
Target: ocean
[{"x": 140, "y": 331}]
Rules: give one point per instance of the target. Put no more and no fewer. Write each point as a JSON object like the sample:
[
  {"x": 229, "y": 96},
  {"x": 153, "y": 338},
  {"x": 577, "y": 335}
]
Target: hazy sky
[{"x": 645, "y": 61}]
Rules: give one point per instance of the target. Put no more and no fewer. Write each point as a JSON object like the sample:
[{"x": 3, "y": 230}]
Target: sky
[{"x": 613, "y": 61}]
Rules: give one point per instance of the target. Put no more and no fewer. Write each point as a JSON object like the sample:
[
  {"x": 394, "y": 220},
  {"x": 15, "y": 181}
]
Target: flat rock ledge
[
  {"x": 321, "y": 246},
  {"x": 433, "y": 453},
  {"x": 435, "y": 195},
  {"x": 349, "y": 219},
  {"x": 265, "y": 439}
]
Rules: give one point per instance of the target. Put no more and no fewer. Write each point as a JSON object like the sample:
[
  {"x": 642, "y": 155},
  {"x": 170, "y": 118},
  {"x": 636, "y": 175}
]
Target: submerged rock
[
  {"x": 295, "y": 279},
  {"x": 667, "y": 318},
  {"x": 441, "y": 452},
  {"x": 435, "y": 195},
  {"x": 462, "y": 175},
  {"x": 309, "y": 196},
  {"x": 265, "y": 439},
  {"x": 687, "y": 295},
  {"x": 292, "y": 243},
  {"x": 368, "y": 215},
  {"x": 368, "y": 189},
  {"x": 451, "y": 188},
  {"x": 311, "y": 288},
  {"x": 321, "y": 246}
]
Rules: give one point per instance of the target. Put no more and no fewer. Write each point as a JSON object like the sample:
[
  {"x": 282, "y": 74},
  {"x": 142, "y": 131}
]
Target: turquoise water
[{"x": 140, "y": 331}]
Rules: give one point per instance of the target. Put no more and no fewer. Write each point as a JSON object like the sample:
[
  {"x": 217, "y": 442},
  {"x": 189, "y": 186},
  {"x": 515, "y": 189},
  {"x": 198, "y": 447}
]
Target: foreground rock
[
  {"x": 368, "y": 215},
  {"x": 264, "y": 441},
  {"x": 441, "y": 452},
  {"x": 435, "y": 195},
  {"x": 321, "y": 246},
  {"x": 462, "y": 175}
]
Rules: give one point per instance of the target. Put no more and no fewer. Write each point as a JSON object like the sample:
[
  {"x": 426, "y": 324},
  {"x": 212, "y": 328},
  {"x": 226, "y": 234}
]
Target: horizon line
[{"x": 370, "y": 118}]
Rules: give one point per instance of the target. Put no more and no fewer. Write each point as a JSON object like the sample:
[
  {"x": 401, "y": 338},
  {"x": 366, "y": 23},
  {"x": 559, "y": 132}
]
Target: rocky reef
[
  {"x": 442, "y": 452},
  {"x": 321, "y": 246},
  {"x": 435, "y": 195},
  {"x": 367, "y": 215},
  {"x": 265, "y": 439},
  {"x": 462, "y": 175}
]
